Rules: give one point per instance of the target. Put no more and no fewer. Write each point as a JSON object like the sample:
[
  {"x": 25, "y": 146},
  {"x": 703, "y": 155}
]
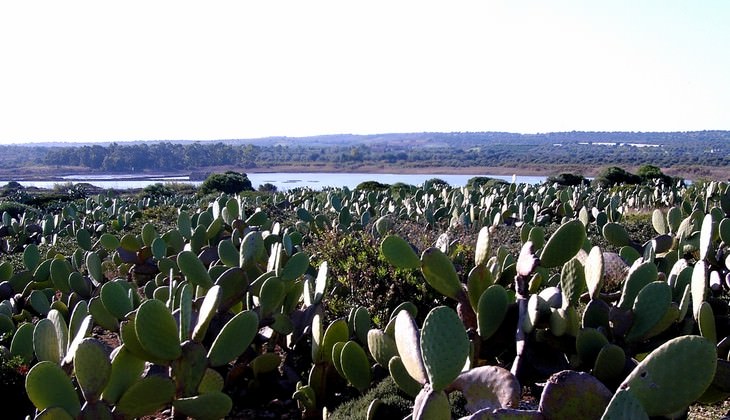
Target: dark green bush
[
  {"x": 567, "y": 179},
  {"x": 372, "y": 186},
  {"x": 479, "y": 181},
  {"x": 229, "y": 182},
  {"x": 614, "y": 175}
]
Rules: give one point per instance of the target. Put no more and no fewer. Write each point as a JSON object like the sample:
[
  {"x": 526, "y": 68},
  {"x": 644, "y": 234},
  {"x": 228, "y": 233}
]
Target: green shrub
[
  {"x": 479, "y": 181},
  {"x": 372, "y": 186},
  {"x": 229, "y": 182},
  {"x": 567, "y": 179},
  {"x": 614, "y": 175}
]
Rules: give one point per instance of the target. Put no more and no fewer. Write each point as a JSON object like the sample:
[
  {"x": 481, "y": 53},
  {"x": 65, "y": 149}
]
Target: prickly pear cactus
[{"x": 687, "y": 360}]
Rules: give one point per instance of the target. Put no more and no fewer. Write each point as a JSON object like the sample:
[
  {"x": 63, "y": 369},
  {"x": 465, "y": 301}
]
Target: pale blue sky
[{"x": 146, "y": 70}]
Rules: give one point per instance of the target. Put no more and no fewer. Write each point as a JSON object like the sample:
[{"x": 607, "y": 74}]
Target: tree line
[{"x": 424, "y": 150}]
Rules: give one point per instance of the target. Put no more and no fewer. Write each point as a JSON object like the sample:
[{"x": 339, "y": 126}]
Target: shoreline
[{"x": 85, "y": 174}]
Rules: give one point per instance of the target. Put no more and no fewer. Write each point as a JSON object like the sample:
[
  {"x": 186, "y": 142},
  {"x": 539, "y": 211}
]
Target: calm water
[{"x": 283, "y": 181}]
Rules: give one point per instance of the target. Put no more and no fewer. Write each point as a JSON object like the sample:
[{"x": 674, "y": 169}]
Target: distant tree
[
  {"x": 651, "y": 173},
  {"x": 372, "y": 186},
  {"x": 478, "y": 181},
  {"x": 614, "y": 175},
  {"x": 435, "y": 182},
  {"x": 566, "y": 179},
  {"x": 229, "y": 182},
  {"x": 267, "y": 187}
]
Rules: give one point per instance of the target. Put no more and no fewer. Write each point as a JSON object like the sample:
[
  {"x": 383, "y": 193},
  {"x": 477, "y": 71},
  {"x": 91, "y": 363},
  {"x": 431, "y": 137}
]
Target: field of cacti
[{"x": 494, "y": 301}]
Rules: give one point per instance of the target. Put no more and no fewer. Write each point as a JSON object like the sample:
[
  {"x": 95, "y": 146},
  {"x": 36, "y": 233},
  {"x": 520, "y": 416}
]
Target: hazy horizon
[{"x": 170, "y": 71}]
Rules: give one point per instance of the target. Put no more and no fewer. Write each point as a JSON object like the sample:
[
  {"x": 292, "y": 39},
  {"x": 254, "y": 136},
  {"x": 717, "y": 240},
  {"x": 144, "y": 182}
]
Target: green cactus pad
[
  {"x": 488, "y": 387},
  {"x": 236, "y": 335},
  {"x": 296, "y": 266},
  {"x": 407, "y": 339},
  {"x": 478, "y": 280},
  {"x": 157, "y": 330},
  {"x": 126, "y": 369},
  {"x": 92, "y": 368},
  {"x": 698, "y": 286},
  {"x": 609, "y": 364},
  {"x": 60, "y": 270},
  {"x": 381, "y": 346},
  {"x": 58, "y": 413},
  {"x": 623, "y": 405},
  {"x": 399, "y": 253},
  {"x": 320, "y": 284},
  {"x": 574, "y": 395},
  {"x": 593, "y": 269},
  {"x": 355, "y": 365},
  {"x": 47, "y": 385},
  {"x": 109, "y": 241},
  {"x": 39, "y": 302},
  {"x": 188, "y": 369},
  {"x": 596, "y": 314},
  {"x": 93, "y": 264},
  {"x": 337, "y": 357},
  {"x": 80, "y": 332},
  {"x": 639, "y": 276},
  {"x": 687, "y": 360},
  {"x": 706, "y": 322},
  {"x": 145, "y": 397},
  {"x": 212, "y": 381},
  {"x": 707, "y": 235},
  {"x": 31, "y": 257},
  {"x": 252, "y": 249},
  {"x": 444, "y": 346},
  {"x": 491, "y": 310},
  {"x": 431, "y": 404},
  {"x": 440, "y": 273},
  {"x": 193, "y": 269},
  {"x": 22, "y": 343},
  {"x": 272, "y": 295},
  {"x": 45, "y": 342},
  {"x": 228, "y": 254},
  {"x": 207, "y": 311},
  {"x": 588, "y": 345},
  {"x": 358, "y": 321},
  {"x": 402, "y": 378},
  {"x": 616, "y": 234},
  {"x": 649, "y": 308},
  {"x": 724, "y": 230},
  {"x": 563, "y": 244},
  {"x": 115, "y": 298},
  {"x": 210, "y": 406},
  {"x": 572, "y": 282},
  {"x": 483, "y": 247},
  {"x": 336, "y": 332},
  {"x": 659, "y": 222}
]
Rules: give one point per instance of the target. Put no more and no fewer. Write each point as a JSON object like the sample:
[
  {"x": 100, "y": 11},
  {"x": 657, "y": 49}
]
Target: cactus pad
[
  {"x": 355, "y": 365},
  {"x": 444, "y": 346},
  {"x": 48, "y": 386},
  {"x": 399, "y": 253},
  {"x": 440, "y": 273},
  {"x": 491, "y": 310},
  {"x": 689, "y": 360},
  {"x": 157, "y": 331},
  {"x": 574, "y": 395},
  {"x": 209, "y": 406},
  {"x": 488, "y": 387},
  {"x": 236, "y": 335},
  {"x": 407, "y": 339},
  {"x": 92, "y": 368},
  {"x": 563, "y": 244}
]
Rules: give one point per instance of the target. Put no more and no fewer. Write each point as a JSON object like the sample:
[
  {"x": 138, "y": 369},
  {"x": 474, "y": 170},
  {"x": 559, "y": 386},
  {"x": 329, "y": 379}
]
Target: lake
[{"x": 282, "y": 180}]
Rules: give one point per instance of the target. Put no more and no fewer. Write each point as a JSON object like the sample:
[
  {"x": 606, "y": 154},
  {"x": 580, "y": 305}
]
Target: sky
[{"x": 191, "y": 70}]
